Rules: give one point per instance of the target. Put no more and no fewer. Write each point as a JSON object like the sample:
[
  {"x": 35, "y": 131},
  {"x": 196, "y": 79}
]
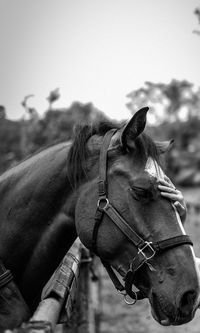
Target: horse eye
[{"x": 139, "y": 193}]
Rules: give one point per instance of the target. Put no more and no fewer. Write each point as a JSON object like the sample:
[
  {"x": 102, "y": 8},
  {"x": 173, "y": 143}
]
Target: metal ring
[
  {"x": 103, "y": 200},
  {"x": 130, "y": 302}
]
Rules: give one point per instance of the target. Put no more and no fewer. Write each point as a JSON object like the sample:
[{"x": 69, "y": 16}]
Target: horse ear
[
  {"x": 133, "y": 128},
  {"x": 164, "y": 146}
]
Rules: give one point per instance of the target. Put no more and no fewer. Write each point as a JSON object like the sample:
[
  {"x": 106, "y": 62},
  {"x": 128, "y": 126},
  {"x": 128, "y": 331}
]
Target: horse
[{"x": 103, "y": 188}]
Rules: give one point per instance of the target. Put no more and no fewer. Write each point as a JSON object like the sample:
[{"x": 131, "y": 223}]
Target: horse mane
[{"x": 78, "y": 153}]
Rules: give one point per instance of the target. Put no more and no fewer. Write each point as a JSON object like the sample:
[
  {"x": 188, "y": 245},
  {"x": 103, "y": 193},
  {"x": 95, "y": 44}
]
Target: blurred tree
[
  {"x": 56, "y": 125},
  {"x": 29, "y": 125},
  {"x": 174, "y": 113},
  {"x": 2, "y": 112},
  {"x": 31, "y": 112},
  {"x": 197, "y": 13},
  {"x": 10, "y": 151},
  {"x": 24, "y": 102},
  {"x": 21, "y": 138},
  {"x": 169, "y": 102},
  {"x": 54, "y": 95}
]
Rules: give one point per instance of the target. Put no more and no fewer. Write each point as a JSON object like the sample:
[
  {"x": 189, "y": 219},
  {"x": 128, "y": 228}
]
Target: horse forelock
[{"x": 154, "y": 169}]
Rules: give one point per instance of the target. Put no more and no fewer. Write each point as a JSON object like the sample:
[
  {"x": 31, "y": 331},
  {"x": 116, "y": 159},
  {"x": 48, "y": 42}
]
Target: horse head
[{"x": 121, "y": 215}]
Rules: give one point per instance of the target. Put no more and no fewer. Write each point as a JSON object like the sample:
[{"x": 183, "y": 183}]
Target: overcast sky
[{"x": 93, "y": 50}]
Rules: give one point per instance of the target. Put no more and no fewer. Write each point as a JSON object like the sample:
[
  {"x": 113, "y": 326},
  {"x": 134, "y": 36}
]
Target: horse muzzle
[{"x": 174, "y": 312}]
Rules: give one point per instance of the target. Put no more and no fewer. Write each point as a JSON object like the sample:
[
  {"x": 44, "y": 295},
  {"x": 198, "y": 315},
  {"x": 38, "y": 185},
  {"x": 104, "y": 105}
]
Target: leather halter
[
  {"x": 6, "y": 275},
  {"x": 146, "y": 250}
]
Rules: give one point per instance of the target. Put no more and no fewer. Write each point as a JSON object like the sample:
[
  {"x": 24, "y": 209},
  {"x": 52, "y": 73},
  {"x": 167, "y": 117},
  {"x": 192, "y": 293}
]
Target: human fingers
[
  {"x": 166, "y": 183},
  {"x": 172, "y": 196},
  {"x": 168, "y": 189},
  {"x": 179, "y": 206},
  {"x": 181, "y": 209}
]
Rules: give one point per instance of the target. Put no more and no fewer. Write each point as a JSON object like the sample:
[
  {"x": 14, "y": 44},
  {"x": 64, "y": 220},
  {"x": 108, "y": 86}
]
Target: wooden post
[
  {"x": 71, "y": 281},
  {"x": 95, "y": 293},
  {"x": 58, "y": 289},
  {"x": 87, "y": 309},
  {"x": 83, "y": 302}
]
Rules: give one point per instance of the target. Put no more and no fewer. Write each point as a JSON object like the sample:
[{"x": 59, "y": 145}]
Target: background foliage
[{"x": 174, "y": 114}]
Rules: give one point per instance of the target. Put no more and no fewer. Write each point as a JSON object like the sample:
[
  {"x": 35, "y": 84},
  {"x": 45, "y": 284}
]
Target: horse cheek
[{"x": 85, "y": 213}]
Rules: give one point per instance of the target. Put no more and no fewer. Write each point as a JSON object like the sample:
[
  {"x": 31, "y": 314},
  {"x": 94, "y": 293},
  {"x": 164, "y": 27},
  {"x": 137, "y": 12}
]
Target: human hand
[{"x": 169, "y": 191}]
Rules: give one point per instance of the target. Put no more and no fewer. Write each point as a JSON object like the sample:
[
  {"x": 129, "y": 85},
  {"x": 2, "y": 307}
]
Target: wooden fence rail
[{"x": 70, "y": 301}]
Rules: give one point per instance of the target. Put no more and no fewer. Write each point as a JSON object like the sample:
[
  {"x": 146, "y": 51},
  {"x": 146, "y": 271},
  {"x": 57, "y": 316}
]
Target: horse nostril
[{"x": 187, "y": 302}]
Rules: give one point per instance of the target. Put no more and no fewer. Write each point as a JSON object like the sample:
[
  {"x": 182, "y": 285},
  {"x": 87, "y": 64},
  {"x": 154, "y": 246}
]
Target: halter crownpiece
[{"x": 146, "y": 250}]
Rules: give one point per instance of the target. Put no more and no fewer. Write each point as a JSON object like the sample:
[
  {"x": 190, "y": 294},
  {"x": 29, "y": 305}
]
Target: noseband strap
[{"x": 146, "y": 250}]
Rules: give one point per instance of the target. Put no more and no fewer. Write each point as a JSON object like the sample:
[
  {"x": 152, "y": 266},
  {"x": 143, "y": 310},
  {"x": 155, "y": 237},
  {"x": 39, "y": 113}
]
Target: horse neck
[{"x": 36, "y": 187}]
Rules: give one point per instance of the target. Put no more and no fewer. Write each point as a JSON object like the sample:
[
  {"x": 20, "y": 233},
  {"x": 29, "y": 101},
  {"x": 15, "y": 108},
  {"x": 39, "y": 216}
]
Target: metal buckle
[{"x": 149, "y": 247}]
